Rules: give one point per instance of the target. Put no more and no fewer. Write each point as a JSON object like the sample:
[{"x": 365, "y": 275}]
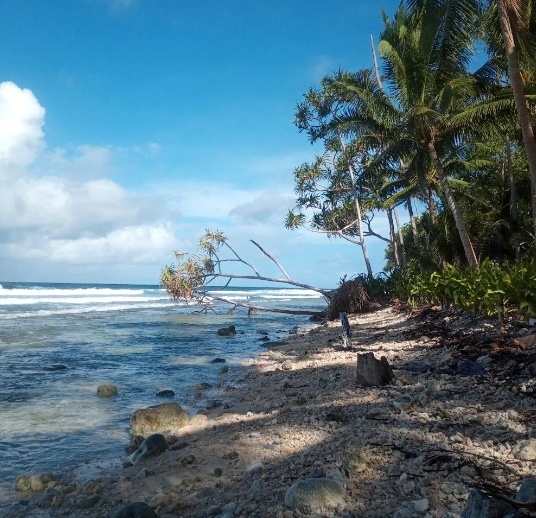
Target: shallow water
[{"x": 132, "y": 336}]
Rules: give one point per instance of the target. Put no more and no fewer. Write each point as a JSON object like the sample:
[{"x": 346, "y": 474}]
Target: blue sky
[{"x": 132, "y": 125}]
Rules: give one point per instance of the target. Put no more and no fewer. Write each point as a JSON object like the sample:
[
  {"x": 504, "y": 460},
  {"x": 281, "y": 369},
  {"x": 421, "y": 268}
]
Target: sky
[{"x": 128, "y": 127}]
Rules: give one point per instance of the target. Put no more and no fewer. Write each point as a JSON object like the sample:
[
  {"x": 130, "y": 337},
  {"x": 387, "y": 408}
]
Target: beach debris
[
  {"x": 135, "y": 510},
  {"x": 107, "y": 390},
  {"x": 165, "y": 393},
  {"x": 227, "y": 331},
  {"x": 315, "y": 495},
  {"x": 163, "y": 418},
  {"x": 372, "y": 372}
]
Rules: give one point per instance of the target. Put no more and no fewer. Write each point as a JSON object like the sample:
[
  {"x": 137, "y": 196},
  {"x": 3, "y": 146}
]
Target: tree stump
[
  {"x": 346, "y": 330},
  {"x": 372, "y": 372}
]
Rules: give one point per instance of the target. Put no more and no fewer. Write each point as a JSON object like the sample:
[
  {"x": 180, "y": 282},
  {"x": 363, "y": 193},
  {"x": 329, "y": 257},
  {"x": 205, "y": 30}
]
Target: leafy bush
[{"x": 491, "y": 288}]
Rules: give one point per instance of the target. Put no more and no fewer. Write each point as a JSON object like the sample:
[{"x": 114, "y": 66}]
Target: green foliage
[{"x": 490, "y": 288}]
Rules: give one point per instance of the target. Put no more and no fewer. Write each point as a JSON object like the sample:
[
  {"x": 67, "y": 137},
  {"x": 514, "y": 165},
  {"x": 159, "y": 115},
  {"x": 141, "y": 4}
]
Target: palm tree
[
  {"x": 513, "y": 17},
  {"x": 426, "y": 49}
]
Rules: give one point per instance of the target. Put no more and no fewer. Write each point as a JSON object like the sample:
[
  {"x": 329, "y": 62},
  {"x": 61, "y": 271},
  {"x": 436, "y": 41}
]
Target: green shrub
[{"x": 491, "y": 288}]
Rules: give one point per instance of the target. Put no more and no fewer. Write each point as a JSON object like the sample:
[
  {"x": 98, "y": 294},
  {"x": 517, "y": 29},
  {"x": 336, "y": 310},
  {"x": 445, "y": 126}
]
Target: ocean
[{"x": 129, "y": 335}]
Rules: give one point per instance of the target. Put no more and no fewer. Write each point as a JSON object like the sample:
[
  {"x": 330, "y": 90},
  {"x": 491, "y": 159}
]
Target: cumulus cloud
[
  {"x": 21, "y": 122},
  {"x": 50, "y": 211},
  {"x": 269, "y": 206}
]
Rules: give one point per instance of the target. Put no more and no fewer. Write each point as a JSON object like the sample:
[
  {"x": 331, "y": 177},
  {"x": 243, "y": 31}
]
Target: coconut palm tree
[
  {"x": 514, "y": 18},
  {"x": 426, "y": 49}
]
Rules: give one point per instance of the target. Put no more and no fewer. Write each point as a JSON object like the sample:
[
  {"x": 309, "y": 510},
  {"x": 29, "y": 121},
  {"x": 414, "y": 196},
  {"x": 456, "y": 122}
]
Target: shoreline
[{"x": 282, "y": 426}]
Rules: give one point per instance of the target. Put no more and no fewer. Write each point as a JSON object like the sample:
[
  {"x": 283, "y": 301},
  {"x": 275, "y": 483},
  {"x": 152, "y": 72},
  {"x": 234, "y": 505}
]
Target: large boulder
[
  {"x": 163, "y": 419},
  {"x": 153, "y": 446},
  {"x": 315, "y": 495},
  {"x": 135, "y": 510}
]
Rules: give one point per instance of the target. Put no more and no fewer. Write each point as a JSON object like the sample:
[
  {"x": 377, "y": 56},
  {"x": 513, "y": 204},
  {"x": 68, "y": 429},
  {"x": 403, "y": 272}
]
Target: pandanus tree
[
  {"x": 319, "y": 115},
  {"x": 425, "y": 51}
]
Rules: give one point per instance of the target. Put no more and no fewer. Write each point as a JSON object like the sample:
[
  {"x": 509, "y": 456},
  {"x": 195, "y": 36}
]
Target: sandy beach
[{"x": 413, "y": 447}]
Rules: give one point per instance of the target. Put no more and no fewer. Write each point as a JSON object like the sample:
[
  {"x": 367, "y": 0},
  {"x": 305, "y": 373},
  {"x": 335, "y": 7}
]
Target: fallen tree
[{"x": 191, "y": 277}]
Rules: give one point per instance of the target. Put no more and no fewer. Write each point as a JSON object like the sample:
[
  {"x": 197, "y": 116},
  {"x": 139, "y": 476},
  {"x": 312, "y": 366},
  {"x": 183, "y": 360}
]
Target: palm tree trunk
[
  {"x": 392, "y": 235},
  {"x": 413, "y": 223},
  {"x": 513, "y": 195},
  {"x": 431, "y": 205},
  {"x": 451, "y": 200},
  {"x": 400, "y": 238},
  {"x": 519, "y": 98}
]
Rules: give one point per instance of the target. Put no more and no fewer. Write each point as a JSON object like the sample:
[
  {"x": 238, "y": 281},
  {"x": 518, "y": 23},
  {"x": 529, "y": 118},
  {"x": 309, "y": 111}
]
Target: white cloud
[
  {"x": 48, "y": 211},
  {"x": 269, "y": 206},
  {"x": 21, "y": 122},
  {"x": 138, "y": 244}
]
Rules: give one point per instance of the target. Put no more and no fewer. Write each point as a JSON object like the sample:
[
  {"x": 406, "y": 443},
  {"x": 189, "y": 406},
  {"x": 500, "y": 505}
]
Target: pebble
[{"x": 286, "y": 365}]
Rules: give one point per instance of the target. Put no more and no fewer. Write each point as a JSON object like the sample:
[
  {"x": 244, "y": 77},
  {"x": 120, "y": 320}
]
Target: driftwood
[
  {"x": 372, "y": 372},
  {"x": 346, "y": 330}
]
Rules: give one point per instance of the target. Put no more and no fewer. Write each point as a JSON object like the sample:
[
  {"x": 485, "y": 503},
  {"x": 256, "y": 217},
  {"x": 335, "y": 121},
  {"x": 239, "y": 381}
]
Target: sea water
[{"x": 129, "y": 335}]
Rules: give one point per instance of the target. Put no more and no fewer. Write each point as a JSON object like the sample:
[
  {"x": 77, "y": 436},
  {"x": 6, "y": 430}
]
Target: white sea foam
[
  {"x": 91, "y": 309},
  {"x": 75, "y": 300},
  {"x": 59, "y": 292}
]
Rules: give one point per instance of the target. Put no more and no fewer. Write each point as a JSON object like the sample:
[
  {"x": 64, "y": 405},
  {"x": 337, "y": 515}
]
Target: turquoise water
[{"x": 132, "y": 336}]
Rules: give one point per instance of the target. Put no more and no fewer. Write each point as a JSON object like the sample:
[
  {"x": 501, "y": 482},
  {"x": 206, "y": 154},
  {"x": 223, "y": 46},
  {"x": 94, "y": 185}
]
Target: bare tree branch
[
  {"x": 272, "y": 258},
  {"x": 189, "y": 279}
]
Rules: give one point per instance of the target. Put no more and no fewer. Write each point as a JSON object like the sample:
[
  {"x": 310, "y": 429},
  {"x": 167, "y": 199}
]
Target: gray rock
[
  {"x": 315, "y": 494},
  {"x": 227, "y": 331},
  {"x": 134, "y": 443},
  {"x": 527, "y": 490},
  {"x": 525, "y": 450},
  {"x": 213, "y": 510},
  {"x": 153, "y": 446},
  {"x": 53, "y": 368},
  {"x": 286, "y": 365},
  {"x": 469, "y": 368},
  {"x": 36, "y": 484},
  {"x": 218, "y": 360},
  {"x": 163, "y": 419},
  {"x": 86, "y": 503},
  {"x": 479, "y": 506},
  {"x": 224, "y": 370},
  {"x": 107, "y": 390},
  {"x": 135, "y": 510},
  {"x": 201, "y": 386},
  {"x": 165, "y": 393},
  {"x": 403, "y": 513},
  {"x": 23, "y": 483}
]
